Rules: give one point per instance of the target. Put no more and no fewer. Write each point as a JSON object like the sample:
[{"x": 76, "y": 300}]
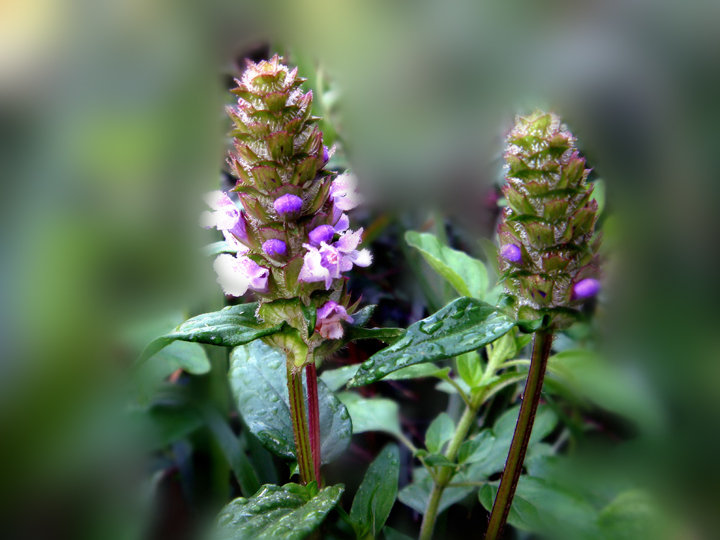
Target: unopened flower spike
[
  {"x": 548, "y": 254},
  {"x": 290, "y": 229}
]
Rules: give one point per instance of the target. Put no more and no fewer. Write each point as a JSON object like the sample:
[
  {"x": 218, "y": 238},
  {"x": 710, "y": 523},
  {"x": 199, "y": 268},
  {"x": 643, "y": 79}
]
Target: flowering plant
[{"x": 288, "y": 242}]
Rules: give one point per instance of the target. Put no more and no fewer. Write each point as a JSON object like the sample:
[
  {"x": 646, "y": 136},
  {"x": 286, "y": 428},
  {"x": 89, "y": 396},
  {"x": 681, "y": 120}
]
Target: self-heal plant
[
  {"x": 291, "y": 237},
  {"x": 287, "y": 240},
  {"x": 548, "y": 256}
]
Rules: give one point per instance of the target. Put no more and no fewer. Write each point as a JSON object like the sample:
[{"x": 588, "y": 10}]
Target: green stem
[
  {"x": 300, "y": 425},
  {"x": 445, "y": 474},
  {"x": 521, "y": 437}
]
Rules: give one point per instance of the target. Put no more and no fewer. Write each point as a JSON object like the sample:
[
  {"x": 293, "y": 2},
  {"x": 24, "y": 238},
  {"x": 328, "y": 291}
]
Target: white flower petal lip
[
  {"x": 225, "y": 215},
  {"x": 237, "y": 274},
  {"x": 343, "y": 194},
  {"x": 230, "y": 275}
]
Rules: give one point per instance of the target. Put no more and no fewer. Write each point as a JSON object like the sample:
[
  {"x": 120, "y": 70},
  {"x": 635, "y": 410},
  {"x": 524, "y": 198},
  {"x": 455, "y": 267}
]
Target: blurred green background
[{"x": 112, "y": 126}]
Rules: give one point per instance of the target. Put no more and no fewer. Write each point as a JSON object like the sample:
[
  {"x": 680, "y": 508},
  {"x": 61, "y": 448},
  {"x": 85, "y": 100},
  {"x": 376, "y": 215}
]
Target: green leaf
[
  {"x": 159, "y": 426},
  {"x": 229, "y": 327},
  {"x": 288, "y": 512},
  {"x": 463, "y": 325},
  {"x": 376, "y": 495},
  {"x": 467, "y": 275},
  {"x": 545, "y": 507},
  {"x": 335, "y": 379},
  {"x": 371, "y": 414},
  {"x": 477, "y": 448},
  {"x": 470, "y": 368},
  {"x": 417, "y": 371},
  {"x": 439, "y": 432},
  {"x": 632, "y": 515},
  {"x": 388, "y": 335},
  {"x": 258, "y": 380},
  {"x": 588, "y": 376}
]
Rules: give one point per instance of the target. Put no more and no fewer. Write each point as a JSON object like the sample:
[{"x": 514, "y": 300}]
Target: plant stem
[
  {"x": 445, "y": 474},
  {"x": 521, "y": 437},
  {"x": 313, "y": 418},
  {"x": 299, "y": 422}
]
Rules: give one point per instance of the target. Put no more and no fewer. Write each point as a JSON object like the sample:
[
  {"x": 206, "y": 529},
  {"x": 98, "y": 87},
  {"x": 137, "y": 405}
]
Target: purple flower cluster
[{"x": 330, "y": 249}]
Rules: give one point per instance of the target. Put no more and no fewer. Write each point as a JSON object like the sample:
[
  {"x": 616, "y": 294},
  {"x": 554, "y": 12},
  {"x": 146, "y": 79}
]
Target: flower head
[{"x": 275, "y": 248}]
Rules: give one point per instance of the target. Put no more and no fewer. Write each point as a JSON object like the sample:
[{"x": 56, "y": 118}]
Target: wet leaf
[
  {"x": 229, "y": 327},
  {"x": 288, "y": 512},
  {"x": 462, "y": 326},
  {"x": 258, "y": 380}
]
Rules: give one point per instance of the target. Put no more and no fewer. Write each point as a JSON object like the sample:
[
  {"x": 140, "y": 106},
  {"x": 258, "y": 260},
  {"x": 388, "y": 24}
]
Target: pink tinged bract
[
  {"x": 237, "y": 274},
  {"x": 329, "y": 319}
]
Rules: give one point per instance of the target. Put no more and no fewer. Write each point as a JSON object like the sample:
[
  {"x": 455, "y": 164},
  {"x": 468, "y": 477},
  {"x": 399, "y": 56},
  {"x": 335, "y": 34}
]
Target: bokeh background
[{"x": 112, "y": 126}]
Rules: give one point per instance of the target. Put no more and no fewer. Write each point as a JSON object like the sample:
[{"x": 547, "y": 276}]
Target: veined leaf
[
  {"x": 288, "y": 512},
  {"x": 229, "y": 327},
  {"x": 462, "y": 326}
]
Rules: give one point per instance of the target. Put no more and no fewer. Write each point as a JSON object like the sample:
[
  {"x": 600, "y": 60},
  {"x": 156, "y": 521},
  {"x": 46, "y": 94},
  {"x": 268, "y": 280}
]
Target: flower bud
[
  {"x": 275, "y": 248},
  {"x": 288, "y": 204},
  {"x": 586, "y": 288},
  {"x": 290, "y": 210}
]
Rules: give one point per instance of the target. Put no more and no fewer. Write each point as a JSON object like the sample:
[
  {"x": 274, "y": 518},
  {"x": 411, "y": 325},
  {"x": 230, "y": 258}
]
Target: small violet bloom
[
  {"x": 323, "y": 233},
  {"x": 511, "y": 252},
  {"x": 288, "y": 204},
  {"x": 329, "y": 318},
  {"x": 343, "y": 194},
  {"x": 329, "y": 261},
  {"x": 586, "y": 288},
  {"x": 274, "y": 247},
  {"x": 237, "y": 274}
]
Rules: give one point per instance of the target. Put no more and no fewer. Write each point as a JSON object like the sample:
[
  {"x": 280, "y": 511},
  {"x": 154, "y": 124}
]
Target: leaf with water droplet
[
  {"x": 288, "y": 512},
  {"x": 258, "y": 381},
  {"x": 229, "y": 327},
  {"x": 465, "y": 324}
]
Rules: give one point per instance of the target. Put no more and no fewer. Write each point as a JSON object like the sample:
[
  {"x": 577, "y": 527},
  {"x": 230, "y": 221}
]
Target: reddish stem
[{"x": 313, "y": 417}]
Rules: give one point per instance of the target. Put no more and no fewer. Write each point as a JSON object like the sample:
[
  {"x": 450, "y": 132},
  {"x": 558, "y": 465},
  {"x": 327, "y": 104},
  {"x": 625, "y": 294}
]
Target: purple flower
[
  {"x": 320, "y": 234},
  {"x": 329, "y": 318},
  {"x": 511, "y": 252},
  {"x": 326, "y": 154},
  {"x": 586, "y": 288},
  {"x": 237, "y": 274},
  {"x": 275, "y": 247},
  {"x": 288, "y": 204},
  {"x": 329, "y": 261},
  {"x": 343, "y": 194}
]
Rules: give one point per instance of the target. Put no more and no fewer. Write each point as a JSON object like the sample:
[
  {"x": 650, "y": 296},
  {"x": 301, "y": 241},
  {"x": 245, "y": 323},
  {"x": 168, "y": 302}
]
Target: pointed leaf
[
  {"x": 467, "y": 275},
  {"x": 440, "y": 431},
  {"x": 229, "y": 327},
  {"x": 462, "y": 326},
  {"x": 376, "y": 495}
]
